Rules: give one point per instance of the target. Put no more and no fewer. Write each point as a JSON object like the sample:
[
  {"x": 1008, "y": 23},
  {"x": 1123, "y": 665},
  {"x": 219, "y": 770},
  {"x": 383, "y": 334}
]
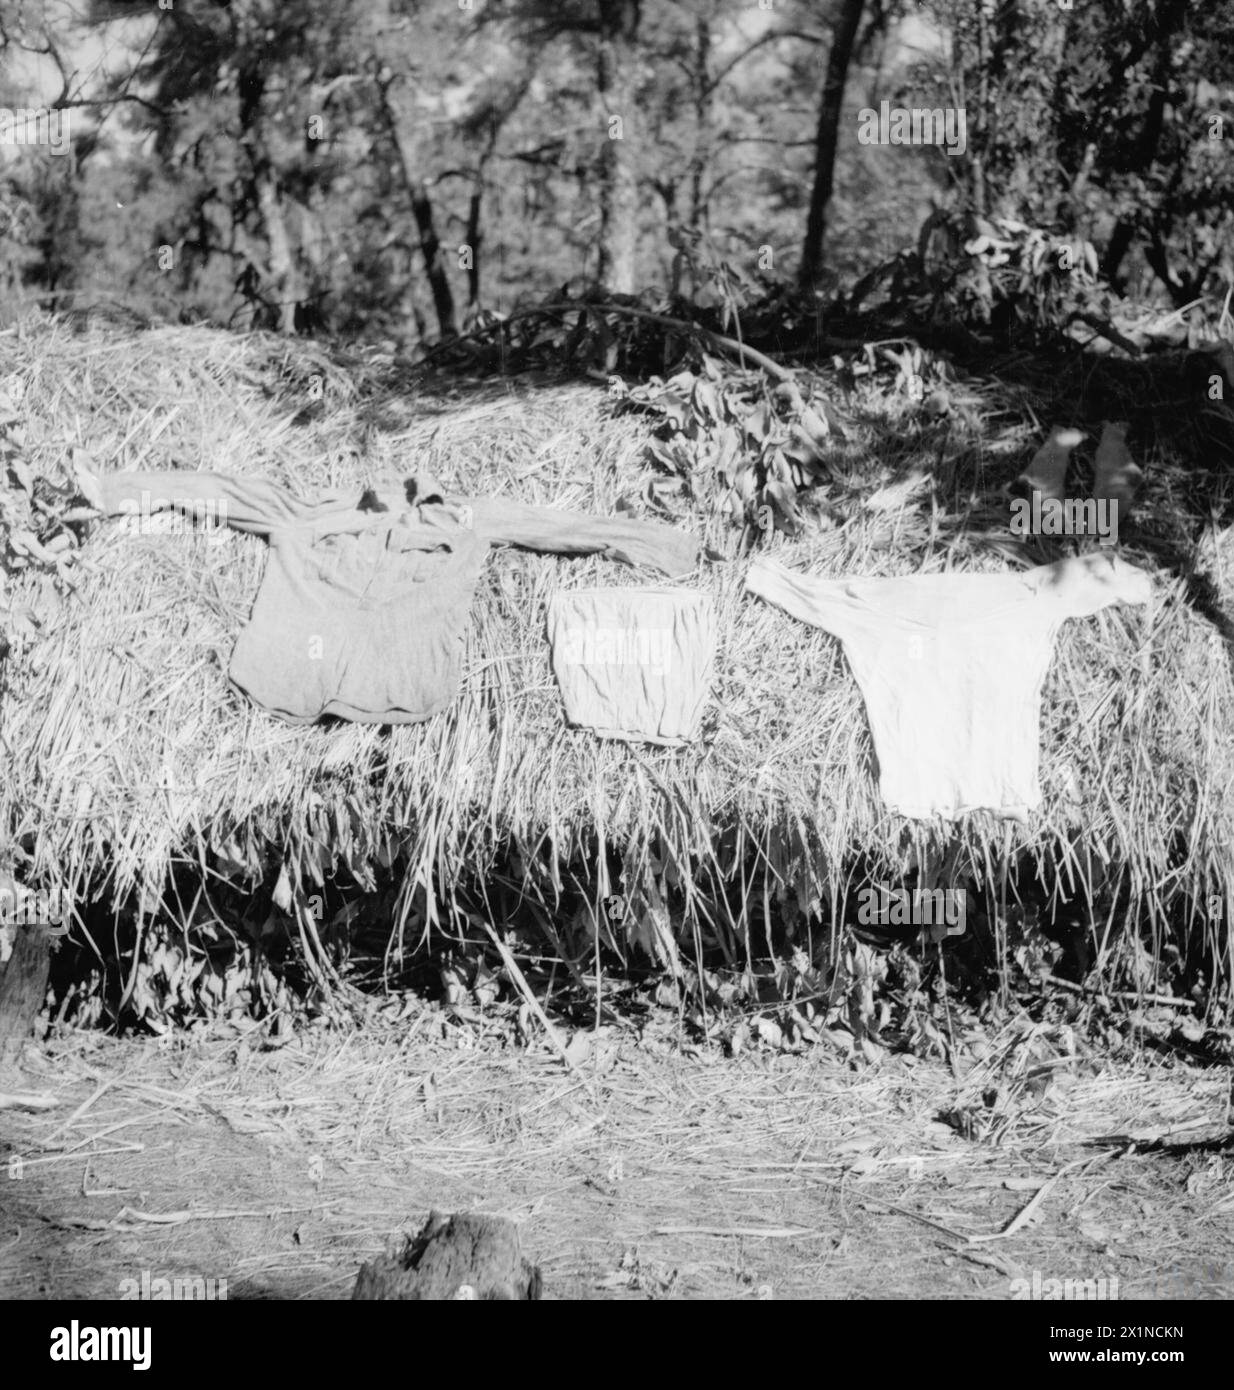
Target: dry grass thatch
[{"x": 126, "y": 754}]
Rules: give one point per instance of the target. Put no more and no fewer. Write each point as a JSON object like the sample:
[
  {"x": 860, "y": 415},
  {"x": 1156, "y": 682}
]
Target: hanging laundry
[
  {"x": 633, "y": 664},
  {"x": 364, "y": 605},
  {"x": 951, "y": 668}
]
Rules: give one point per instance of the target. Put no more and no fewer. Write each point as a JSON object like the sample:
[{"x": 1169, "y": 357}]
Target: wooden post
[{"x": 23, "y": 987}]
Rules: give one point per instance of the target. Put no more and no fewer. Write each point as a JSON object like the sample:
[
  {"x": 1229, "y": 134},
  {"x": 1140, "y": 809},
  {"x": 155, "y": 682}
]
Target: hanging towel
[
  {"x": 951, "y": 668},
  {"x": 633, "y": 664},
  {"x": 364, "y": 605}
]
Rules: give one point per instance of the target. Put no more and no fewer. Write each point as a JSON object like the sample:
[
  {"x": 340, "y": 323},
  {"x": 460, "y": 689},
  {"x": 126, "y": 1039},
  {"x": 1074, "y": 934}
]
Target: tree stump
[{"x": 453, "y": 1257}]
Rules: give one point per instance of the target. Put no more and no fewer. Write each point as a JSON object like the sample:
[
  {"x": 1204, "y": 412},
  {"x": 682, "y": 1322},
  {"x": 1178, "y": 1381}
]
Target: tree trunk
[
  {"x": 703, "y": 92},
  {"x": 829, "y": 113},
  {"x": 618, "y": 185},
  {"x": 286, "y": 282},
  {"x": 976, "y": 163},
  {"x": 283, "y": 279},
  {"x": 1172, "y": 16},
  {"x": 23, "y": 987},
  {"x": 422, "y": 211},
  {"x": 434, "y": 262},
  {"x": 473, "y": 241}
]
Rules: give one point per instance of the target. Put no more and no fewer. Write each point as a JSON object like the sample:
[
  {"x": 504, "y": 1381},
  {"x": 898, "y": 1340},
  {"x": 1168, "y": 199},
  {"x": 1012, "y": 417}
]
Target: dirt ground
[{"x": 651, "y": 1169}]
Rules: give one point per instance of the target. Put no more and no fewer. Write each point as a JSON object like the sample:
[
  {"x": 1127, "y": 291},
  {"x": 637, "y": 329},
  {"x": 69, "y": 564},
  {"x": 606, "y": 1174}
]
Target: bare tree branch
[{"x": 725, "y": 68}]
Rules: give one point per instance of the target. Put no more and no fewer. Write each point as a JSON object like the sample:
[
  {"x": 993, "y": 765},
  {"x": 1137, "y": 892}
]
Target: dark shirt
[{"x": 363, "y": 609}]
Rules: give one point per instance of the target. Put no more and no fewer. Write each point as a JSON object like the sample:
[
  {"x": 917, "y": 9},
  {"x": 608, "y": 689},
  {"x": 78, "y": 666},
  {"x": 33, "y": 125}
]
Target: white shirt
[{"x": 951, "y": 668}]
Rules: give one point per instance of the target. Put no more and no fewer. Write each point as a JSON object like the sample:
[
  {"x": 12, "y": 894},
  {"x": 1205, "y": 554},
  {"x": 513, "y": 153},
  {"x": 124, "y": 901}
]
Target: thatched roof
[{"x": 126, "y": 753}]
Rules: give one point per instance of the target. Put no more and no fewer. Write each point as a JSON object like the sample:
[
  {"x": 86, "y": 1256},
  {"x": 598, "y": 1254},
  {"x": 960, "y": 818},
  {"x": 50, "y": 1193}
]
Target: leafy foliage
[
  {"x": 736, "y": 446},
  {"x": 1015, "y": 274}
]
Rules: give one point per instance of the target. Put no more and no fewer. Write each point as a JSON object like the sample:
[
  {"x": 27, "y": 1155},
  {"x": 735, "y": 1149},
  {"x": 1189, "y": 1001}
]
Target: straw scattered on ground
[{"x": 651, "y": 1172}]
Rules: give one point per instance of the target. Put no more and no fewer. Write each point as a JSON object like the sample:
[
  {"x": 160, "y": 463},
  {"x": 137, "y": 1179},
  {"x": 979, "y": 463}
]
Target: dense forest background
[{"x": 405, "y": 169}]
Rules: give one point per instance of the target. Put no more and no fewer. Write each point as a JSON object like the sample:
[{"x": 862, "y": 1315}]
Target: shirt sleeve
[
  {"x": 1085, "y": 584},
  {"x": 819, "y": 602},
  {"x": 633, "y": 542},
  {"x": 262, "y": 508},
  {"x": 245, "y": 504},
  {"x": 258, "y": 507}
]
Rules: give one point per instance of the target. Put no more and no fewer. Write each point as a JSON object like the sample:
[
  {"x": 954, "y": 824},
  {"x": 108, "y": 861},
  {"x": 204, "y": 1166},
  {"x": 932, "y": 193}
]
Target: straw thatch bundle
[{"x": 126, "y": 755}]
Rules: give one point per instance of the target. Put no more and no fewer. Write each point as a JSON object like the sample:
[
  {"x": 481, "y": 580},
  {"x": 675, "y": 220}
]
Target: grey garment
[
  {"x": 363, "y": 609},
  {"x": 634, "y": 664}
]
